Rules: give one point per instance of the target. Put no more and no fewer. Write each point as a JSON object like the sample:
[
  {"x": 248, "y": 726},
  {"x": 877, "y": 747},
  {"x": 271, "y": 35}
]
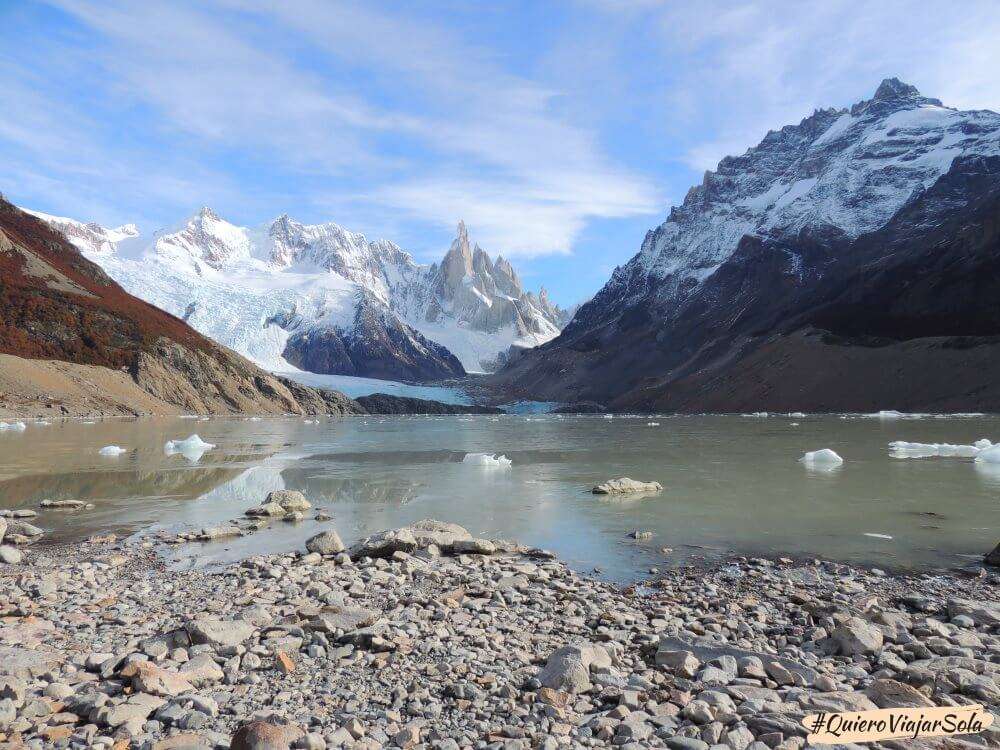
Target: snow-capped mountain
[
  {"x": 321, "y": 298},
  {"x": 90, "y": 238},
  {"x": 769, "y": 236}
]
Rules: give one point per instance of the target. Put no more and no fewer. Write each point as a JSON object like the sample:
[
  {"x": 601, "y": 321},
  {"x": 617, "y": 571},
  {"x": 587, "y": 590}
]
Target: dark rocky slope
[{"x": 806, "y": 316}]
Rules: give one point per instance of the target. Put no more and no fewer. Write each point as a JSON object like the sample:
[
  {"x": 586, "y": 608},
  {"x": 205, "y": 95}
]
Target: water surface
[{"x": 732, "y": 484}]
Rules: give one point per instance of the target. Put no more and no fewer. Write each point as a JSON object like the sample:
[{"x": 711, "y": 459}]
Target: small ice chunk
[
  {"x": 890, "y": 414},
  {"x": 652, "y": 424},
  {"x": 487, "y": 460},
  {"x": 796, "y": 414},
  {"x": 13, "y": 426},
  {"x": 758, "y": 414},
  {"x": 824, "y": 457},
  {"x": 793, "y": 424},
  {"x": 112, "y": 450},
  {"x": 877, "y": 536},
  {"x": 192, "y": 448}
]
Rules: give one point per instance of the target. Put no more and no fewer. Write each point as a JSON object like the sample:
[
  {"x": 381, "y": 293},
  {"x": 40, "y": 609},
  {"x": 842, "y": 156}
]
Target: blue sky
[{"x": 559, "y": 131}]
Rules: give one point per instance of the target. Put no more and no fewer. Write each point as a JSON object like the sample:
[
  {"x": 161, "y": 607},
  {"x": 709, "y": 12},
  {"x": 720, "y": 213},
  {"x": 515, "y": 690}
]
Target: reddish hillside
[{"x": 56, "y": 304}]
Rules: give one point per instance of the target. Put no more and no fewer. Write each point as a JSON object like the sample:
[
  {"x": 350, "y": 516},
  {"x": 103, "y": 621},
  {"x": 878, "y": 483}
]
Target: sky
[{"x": 560, "y": 131}]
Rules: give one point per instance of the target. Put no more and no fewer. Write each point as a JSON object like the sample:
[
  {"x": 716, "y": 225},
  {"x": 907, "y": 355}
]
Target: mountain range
[
  {"x": 322, "y": 299},
  {"x": 846, "y": 263}
]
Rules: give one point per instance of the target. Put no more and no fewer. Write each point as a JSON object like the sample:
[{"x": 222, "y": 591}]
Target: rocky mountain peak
[{"x": 893, "y": 95}]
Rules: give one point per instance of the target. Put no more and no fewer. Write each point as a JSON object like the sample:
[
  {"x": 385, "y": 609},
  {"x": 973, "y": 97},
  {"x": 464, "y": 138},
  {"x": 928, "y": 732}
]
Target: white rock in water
[
  {"x": 488, "y": 460},
  {"x": 989, "y": 455},
  {"x": 624, "y": 485},
  {"x": 823, "y": 457},
  {"x": 112, "y": 450},
  {"x": 15, "y": 426},
  {"x": 191, "y": 448}
]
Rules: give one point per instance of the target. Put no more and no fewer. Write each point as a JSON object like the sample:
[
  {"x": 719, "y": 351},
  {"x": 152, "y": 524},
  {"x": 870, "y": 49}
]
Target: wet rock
[
  {"x": 624, "y": 485},
  {"x": 267, "y": 510}
]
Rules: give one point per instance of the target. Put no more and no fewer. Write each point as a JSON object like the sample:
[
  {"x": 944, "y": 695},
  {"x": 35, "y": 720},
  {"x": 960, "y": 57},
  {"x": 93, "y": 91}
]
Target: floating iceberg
[
  {"x": 112, "y": 450},
  {"x": 758, "y": 414},
  {"x": 877, "y": 536},
  {"x": 990, "y": 455},
  {"x": 903, "y": 449},
  {"x": 191, "y": 448},
  {"x": 14, "y": 426},
  {"x": 488, "y": 460},
  {"x": 823, "y": 458}
]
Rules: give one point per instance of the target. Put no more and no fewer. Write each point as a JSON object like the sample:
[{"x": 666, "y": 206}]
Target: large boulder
[
  {"x": 444, "y": 535},
  {"x": 325, "y": 543},
  {"x": 856, "y": 637},
  {"x": 568, "y": 668},
  {"x": 625, "y": 486},
  {"x": 260, "y": 735},
  {"x": 384, "y": 544},
  {"x": 290, "y": 500}
]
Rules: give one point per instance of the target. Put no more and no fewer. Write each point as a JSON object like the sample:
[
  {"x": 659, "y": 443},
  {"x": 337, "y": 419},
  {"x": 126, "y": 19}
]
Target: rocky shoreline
[{"x": 426, "y": 636}]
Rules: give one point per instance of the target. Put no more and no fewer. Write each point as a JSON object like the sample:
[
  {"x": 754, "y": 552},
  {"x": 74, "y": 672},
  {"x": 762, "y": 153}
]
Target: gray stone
[
  {"x": 325, "y": 543},
  {"x": 219, "y": 633},
  {"x": 856, "y": 637}
]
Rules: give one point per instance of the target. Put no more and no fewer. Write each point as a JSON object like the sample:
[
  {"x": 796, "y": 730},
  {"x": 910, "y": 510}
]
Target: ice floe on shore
[
  {"x": 112, "y": 450},
  {"x": 13, "y": 426},
  {"x": 487, "y": 460}
]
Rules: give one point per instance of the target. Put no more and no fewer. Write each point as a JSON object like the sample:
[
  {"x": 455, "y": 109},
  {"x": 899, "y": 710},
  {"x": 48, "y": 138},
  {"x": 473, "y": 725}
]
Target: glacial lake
[{"x": 731, "y": 484}]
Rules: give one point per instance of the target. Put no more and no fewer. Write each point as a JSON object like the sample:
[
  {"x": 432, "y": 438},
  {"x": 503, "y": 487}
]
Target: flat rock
[
  {"x": 219, "y": 633},
  {"x": 624, "y": 485},
  {"x": 895, "y": 694}
]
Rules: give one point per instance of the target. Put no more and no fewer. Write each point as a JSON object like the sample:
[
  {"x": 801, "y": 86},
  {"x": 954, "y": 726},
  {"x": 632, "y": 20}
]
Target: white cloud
[{"x": 375, "y": 104}]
